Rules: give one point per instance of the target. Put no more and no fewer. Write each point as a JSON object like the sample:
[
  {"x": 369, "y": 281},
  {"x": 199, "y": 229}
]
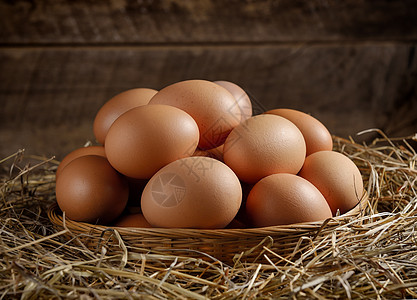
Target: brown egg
[
  {"x": 337, "y": 178},
  {"x": 213, "y": 108},
  {"x": 316, "y": 135},
  {"x": 91, "y": 150},
  {"x": 241, "y": 97},
  {"x": 118, "y": 105},
  {"x": 264, "y": 145},
  {"x": 193, "y": 192},
  {"x": 282, "y": 199},
  {"x": 132, "y": 220},
  {"x": 90, "y": 190},
  {"x": 146, "y": 138}
]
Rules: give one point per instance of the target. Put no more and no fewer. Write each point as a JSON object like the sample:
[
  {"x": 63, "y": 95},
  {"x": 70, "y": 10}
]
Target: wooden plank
[
  {"x": 207, "y": 21},
  {"x": 49, "y": 97}
]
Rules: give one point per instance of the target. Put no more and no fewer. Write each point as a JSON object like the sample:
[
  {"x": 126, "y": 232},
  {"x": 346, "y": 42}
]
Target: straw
[{"x": 371, "y": 254}]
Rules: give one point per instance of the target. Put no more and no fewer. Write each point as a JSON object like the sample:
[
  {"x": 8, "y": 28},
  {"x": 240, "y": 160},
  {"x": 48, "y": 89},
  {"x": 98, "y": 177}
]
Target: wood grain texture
[
  {"x": 205, "y": 21},
  {"x": 49, "y": 97}
]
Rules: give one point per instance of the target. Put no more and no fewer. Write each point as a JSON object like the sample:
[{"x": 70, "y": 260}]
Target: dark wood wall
[{"x": 352, "y": 63}]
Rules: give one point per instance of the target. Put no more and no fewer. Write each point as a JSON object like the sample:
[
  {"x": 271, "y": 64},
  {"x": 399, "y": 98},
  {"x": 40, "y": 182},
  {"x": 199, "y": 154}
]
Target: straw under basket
[{"x": 226, "y": 245}]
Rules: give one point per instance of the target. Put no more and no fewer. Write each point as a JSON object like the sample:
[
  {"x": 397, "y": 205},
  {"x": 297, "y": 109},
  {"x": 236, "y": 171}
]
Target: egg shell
[
  {"x": 91, "y": 150},
  {"x": 316, "y": 135},
  {"x": 214, "y": 109},
  {"x": 90, "y": 190},
  {"x": 241, "y": 97},
  {"x": 283, "y": 199},
  {"x": 132, "y": 220},
  {"x": 146, "y": 138},
  {"x": 193, "y": 192},
  {"x": 116, "y": 106},
  {"x": 264, "y": 145},
  {"x": 337, "y": 178}
]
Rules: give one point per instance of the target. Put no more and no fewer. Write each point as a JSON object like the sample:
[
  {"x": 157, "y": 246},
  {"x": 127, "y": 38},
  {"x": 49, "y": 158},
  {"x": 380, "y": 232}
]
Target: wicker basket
[{"x": 227, "y": 245}]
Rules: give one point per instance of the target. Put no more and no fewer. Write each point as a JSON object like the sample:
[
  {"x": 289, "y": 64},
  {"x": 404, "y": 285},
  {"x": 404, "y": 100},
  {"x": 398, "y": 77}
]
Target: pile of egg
[{"x": 192, "y": 156}]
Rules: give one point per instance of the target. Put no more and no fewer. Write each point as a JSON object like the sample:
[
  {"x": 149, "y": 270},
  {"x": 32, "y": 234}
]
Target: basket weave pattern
[{"x": 223, "y": 244}]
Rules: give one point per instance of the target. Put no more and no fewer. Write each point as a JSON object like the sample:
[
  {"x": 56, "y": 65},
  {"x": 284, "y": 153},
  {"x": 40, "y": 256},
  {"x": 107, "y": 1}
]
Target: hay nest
[{"x": 372, "y": 256}]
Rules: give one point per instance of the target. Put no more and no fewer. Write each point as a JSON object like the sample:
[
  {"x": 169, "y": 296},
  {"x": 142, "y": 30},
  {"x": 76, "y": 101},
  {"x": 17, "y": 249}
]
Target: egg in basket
[{"x": 192, "y": 157}]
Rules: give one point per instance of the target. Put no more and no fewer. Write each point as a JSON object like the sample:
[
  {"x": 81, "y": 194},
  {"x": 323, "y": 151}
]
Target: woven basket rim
[{"x": 56, "y": 217}]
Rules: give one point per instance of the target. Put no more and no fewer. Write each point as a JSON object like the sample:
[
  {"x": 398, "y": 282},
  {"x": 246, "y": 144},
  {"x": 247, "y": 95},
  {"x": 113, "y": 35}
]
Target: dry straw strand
[{"x": 369, "y": 254}]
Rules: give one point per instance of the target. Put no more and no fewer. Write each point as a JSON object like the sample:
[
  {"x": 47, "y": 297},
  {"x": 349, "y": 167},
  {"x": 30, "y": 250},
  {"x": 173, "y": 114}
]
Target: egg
[
  {"x": 146, "y": 138},
  {"x": 316, "y": 135},
  {"x": 283, "y": 199},
  {"x": 132, "y": 220},
  {"x": 264, "y": 145},
  {"x": 193, "y": 192},
  {"x": 90, "y": 190},
  {"x": 91, "y": 150},
  {"x": 214, "y": 109},
  {"x": 241, "y": 97},
  {"x": 118, "y": 105},
  {"x": 337, "y": 177}
]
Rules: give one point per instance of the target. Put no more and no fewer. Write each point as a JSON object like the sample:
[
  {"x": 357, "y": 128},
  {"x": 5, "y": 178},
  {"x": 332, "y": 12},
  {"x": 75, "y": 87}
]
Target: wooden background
[{"x": 352, "y": 63}]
